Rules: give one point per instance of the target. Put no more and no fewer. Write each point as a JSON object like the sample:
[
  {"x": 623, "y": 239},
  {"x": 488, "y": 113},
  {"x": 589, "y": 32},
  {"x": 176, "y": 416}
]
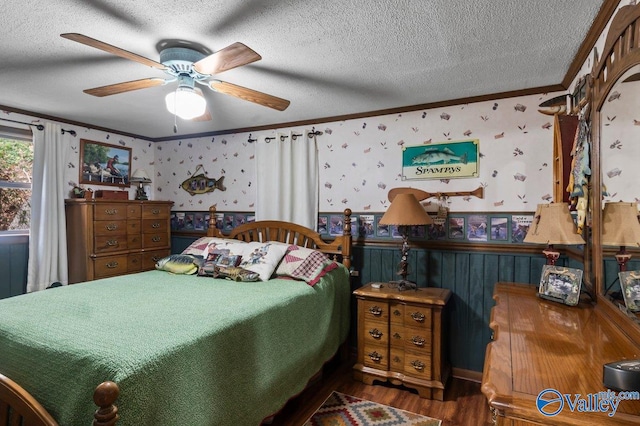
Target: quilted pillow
[
  {"x": 262, "y": 258},
  {"x": 197, "y": 246},
  {"x": 305, "y": 264},
  {"x": 179, "y": 264}
]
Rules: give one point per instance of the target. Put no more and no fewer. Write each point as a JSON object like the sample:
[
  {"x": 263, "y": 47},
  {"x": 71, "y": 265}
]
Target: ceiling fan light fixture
[{"x": 186, "y": 102}]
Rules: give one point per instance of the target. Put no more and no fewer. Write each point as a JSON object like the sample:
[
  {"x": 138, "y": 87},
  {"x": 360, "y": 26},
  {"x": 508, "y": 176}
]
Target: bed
[{"x": 181, "y": 349}]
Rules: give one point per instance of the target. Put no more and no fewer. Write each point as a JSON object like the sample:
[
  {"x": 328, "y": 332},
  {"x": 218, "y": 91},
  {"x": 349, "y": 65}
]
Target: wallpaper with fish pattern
[{"x": 361, "y": 159}]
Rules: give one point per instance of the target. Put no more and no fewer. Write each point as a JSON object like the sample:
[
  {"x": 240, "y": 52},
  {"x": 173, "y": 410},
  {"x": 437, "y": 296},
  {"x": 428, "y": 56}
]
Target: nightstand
[{"x": 400, "y": 338}]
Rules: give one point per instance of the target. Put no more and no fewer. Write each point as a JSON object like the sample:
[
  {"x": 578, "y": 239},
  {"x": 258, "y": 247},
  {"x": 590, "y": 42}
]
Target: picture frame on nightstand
[{"x": 560, "y": 284}]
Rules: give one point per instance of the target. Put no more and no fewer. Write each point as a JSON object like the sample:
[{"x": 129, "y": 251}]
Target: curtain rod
[
  {"x": 39, "y": 126},
  {"x": 311, "y": 134}
]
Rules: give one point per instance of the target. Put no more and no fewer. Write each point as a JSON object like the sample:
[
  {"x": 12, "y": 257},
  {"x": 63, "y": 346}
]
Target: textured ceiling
[{"x": 329, "y": 58}]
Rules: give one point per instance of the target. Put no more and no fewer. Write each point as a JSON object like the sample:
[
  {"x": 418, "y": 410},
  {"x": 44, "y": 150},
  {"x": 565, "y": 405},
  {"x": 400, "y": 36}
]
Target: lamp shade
[
  {"x": 186, "y": 102},
  {"x": 140, "y": 175},
  {"x": 620, "y": 226},
  {"x": 553, "y": 224},
  {"x": 405, "y": 210}
]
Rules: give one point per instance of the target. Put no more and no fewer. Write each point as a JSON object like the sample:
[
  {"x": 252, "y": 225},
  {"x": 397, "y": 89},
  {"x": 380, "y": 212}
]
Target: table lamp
[
  {"x": 620, "y": 227},
  {"x": 141, "y": 177},
  {"x": 405, "y": 211},
  {"x": 553, "y": 224}
]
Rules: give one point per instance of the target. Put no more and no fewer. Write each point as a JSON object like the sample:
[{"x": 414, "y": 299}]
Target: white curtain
[
  {"x": 287, "y": 179},
  {"x": 47, "y": 236}
]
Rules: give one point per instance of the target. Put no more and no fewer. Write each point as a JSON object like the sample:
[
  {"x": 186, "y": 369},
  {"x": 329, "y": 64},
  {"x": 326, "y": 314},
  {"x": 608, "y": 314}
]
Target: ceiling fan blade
[
  {"x": 127, "y": 86},
  {"x": 250, "y": 95},
  {"x": 112, "y": 49},
  {"x": 228, "y": 58}
]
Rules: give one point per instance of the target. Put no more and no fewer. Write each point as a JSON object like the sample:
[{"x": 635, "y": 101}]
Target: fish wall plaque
[{"x": 201, "y": 183}]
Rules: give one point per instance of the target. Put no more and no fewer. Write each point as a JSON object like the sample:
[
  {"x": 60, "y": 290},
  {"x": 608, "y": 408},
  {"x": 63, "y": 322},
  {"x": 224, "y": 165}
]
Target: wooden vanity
[{"x": 539, "y": 344}]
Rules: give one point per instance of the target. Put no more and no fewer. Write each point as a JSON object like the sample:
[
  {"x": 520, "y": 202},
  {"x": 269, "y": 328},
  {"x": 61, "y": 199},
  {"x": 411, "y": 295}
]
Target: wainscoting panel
[{"x": 14, "y": 255}]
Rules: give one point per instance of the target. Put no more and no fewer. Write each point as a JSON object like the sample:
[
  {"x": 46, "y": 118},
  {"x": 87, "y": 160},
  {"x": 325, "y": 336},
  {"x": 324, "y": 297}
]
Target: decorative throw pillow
[
  {"x": 305, "y": 264},
  {"x": 215, "y": 259},
  {"x": 187, "y": 264},
  {"x": 262, "y": 258},
  {"x": 198, "y": 246},
  {"x": 236, "y": 274},
  {"x": 227, "y": 247}
]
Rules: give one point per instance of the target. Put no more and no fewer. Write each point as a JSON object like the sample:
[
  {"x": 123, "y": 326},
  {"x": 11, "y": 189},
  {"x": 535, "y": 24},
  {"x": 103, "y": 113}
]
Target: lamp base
[
  {"x": 403, "y": 285},
  {"x": 141, "y": 194}
]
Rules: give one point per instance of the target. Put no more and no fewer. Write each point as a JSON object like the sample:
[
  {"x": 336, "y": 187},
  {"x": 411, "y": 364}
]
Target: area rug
[{"x": 345, "y": 410}]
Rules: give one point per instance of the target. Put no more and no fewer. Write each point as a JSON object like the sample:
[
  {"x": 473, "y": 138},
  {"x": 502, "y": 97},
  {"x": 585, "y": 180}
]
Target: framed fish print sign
[
  {"x": 104, "y": 164},
  {"x": 442, "y": 160}
]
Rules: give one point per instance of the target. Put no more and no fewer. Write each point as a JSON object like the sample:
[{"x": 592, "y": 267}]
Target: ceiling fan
[{"x": 186, "y": 66}]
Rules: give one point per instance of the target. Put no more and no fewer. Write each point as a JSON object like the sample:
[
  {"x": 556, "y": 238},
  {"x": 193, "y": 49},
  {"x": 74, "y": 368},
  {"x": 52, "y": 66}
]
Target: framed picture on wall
[{"x": 104, "y": 164}]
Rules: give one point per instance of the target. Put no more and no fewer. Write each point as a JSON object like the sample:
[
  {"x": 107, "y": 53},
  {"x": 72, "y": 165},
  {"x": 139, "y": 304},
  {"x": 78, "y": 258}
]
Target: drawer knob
[
  {"x": 375, "y": 333},
  {"x": 155, "y": 211},
  {"x": 156, "y": 258},
  {"x": 396, "y": 358},
  {"x": 397, "y": 313},
  {"x": 112, "y": 243},
  {"x": 375, "y": 311},
  {"x": 397, "y": 336},
  {"x": 417, "y": 364},
  {"x": 418, "y": 341},
  {"x": 112, "y": 227},
  {"x": 111, "y": 211},
  {"x": 418, "y": 316},
  {"x": 155, "y": 225},
  {"x": 375, "y": 356},
  {"x": 112, "y": 265},
  {"x": 156, "y": 239}
]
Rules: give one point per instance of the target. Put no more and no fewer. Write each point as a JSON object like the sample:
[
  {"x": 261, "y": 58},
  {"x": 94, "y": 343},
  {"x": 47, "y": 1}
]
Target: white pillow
[
  {"x": 262, "y": 258},
  {"x": 226, "y": 246}
]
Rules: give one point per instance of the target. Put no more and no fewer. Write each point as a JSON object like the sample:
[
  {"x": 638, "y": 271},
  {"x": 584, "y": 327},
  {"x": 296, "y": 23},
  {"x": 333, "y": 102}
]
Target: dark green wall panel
[{"x": 14, "y": 255}]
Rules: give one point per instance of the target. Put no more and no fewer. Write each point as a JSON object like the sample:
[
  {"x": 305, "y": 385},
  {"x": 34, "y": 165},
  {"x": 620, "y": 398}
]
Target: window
[{"x": 16, "y": 164}]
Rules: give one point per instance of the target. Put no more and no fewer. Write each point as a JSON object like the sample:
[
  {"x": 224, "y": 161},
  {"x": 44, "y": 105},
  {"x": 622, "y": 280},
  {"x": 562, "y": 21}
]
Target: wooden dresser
[
  {"x": 540, "y": 345},
  {"x": 400, "y": 338},
  {"x": 114, "y": 237}
]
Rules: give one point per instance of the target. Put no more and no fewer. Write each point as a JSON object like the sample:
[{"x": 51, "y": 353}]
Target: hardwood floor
[{"x": 463, "y": 405}]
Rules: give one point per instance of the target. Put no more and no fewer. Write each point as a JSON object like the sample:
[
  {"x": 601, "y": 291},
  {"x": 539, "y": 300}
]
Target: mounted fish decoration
[{"x": 201, "y": 183}]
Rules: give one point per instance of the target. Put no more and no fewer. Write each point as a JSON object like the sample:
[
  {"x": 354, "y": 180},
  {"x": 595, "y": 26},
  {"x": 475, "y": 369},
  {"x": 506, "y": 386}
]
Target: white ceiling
[{"x": 329, "y": 58}]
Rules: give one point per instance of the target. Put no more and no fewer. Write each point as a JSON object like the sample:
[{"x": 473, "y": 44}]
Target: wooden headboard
[{"x": 286, "y": 232}]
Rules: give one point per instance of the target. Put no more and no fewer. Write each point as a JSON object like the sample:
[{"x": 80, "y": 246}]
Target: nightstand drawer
[
  {"x": 397, "y": 335},
  {"x": 417, "y": 365},
  {"x": 376, "y": 310},
  {"x": 376, "y": 356},
  {"x": 396, "y": 359},
  {"x": 417, "y": 316},
  {"x": 376, "y": 332},
  {"x": 418, "y": 340}
]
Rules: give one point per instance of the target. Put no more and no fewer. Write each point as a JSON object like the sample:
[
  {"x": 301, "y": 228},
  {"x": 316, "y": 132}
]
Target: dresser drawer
[
  {"x": 134, "y": 241},
  {"x": 155, "y": 211},
  {"x": 109, "y": 227},
  {"x": 110, "y": 212},
  {"x": 417, "y": 365},
  {"x": 376, "y": 332},
  {"x": 375, "y": 310},
  {"x": 150, "y": 258},
  {"x": 107, "y": 243},
  {"x": 134, "y": 211},
  {"x": 154, "y": 225},
  {"x": 158, "y": 239},
  {"x": 134, "y": 226},
  {"x": 110, "y": 266},
  {"x": 376, "y": 356},
  {"x": 134, "y": 263}
]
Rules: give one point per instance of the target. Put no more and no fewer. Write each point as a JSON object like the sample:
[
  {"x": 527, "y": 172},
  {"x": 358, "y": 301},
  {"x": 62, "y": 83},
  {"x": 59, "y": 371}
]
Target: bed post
[
  {"x": 105, "y": 397},
  {"x": 212, "y": 230},
  {"x": 346, "y": 239}
]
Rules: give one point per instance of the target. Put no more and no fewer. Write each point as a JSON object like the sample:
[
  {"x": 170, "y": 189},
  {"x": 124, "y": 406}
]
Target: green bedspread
[{"x": 185, "y": 350}]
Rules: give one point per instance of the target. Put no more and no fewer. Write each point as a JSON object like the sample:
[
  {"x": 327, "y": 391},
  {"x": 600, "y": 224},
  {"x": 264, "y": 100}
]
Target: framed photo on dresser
[{"x": 560, "y": 284}]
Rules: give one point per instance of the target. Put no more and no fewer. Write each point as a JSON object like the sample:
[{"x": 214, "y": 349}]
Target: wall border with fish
[{"x": 441, "y": 160}]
